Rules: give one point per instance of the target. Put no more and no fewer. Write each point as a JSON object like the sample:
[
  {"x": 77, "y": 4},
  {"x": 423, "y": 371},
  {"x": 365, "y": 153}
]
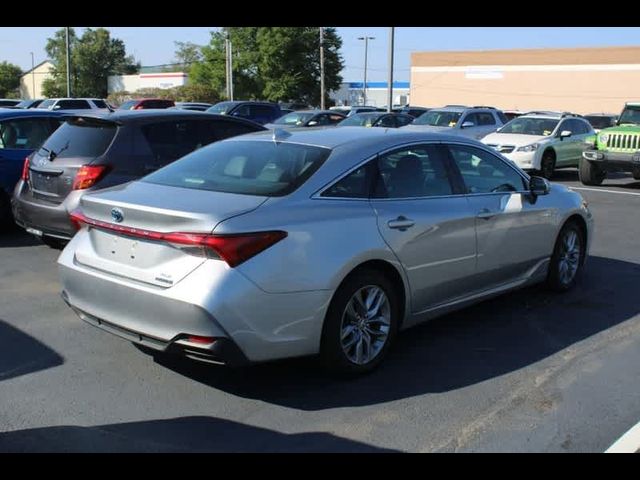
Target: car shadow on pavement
[
  {"x": 21, "y": 354},
  {"x": 184, "y": 434},
  {"x": 478, "y": 343},
  {"x": 18, "y": 238}
]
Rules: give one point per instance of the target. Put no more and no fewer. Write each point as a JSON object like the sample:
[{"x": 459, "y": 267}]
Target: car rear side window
[
  {"x": 100, "y": 104},
  {"x": 355, "y": 185},
  {"x": 170, "y": 140},
  {"x": 212, "y": 131},
  {"x": 245, "y": 167},
  {"x": 25, "y": 133},
  {"x": 71, "y": 105},
  {"x": 485, "y": 118},
  {"x": 79, "y": 138}
]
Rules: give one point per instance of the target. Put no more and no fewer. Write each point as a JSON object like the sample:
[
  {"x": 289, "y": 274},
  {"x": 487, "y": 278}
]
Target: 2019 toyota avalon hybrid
[{"x": 285, "y": 244}]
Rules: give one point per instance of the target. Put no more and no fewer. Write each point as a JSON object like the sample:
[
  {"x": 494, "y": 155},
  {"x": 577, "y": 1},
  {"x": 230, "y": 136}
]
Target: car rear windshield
[
  {"x": 247, "y": 167},
  {"x": 530, "y": 126},
  {"x": 79, "y": 138},
  {"x": 600, "y": 122},
  {"x": 47, "y": 103},
  {"x": 128, "y": 105},
  {"x": 295, "y": 118},
  {"x": 438, "y": 119},
  {"x": 100, "y": 103},
  {"x": 360, "y": 120},
  {"x": 630, "y": 115},
  {"x": 221, "y": 108}
]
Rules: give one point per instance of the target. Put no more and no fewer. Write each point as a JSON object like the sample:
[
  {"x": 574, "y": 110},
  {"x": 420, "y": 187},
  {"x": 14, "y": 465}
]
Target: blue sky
[{"x": 154, "y": 45}]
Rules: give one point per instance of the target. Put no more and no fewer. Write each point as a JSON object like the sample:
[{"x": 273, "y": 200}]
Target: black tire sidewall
[
  {"x": 589, "y": 173},
  {"x": 547, "y": 157},
  {"x": 331, "y": 351},
  {"x": 553, "y": 277}
]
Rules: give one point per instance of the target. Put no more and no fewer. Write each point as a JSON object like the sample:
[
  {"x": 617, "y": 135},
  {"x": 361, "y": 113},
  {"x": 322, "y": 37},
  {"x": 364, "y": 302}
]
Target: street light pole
[
  {"x": 322, "y": 69},
  {"x": 33, "y": 75},
  {"x": 390, "y": 81},
  {"x": 366, "y": 47},
  {"x": 68, "y": 66}
]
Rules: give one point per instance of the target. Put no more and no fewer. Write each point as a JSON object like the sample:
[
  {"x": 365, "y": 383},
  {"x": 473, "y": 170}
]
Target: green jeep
[{"x": 616, "y": 149}]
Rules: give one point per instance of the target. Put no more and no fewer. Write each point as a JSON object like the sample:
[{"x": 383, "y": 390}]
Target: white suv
[
  {"x": 542, "y": 141},
  {"x": 471, "y": 122},
  {"x": 75, "y": 104}
]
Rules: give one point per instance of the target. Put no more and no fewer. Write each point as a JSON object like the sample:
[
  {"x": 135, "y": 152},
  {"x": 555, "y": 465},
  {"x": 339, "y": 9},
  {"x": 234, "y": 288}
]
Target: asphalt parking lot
[{"x": 529, "y": 371}]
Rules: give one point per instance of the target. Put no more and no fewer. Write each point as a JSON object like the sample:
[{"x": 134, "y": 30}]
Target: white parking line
[
  {"x": 605, "y": 191},
  {"x": 628, "y": 443}
]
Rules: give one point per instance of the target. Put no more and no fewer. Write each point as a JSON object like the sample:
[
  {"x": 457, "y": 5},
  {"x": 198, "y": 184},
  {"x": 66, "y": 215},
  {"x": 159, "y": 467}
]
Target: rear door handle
[
  {"x": 486, "y": 214},
  {"x": 401, "y": 223}
]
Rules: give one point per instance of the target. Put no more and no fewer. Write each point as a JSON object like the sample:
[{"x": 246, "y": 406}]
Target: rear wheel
[
  {"x": 547, "y": 164},
  {"x": 590, "y": 173},
  {"x": 361, "y": 323},
  {"x": 567, "y": 258}
]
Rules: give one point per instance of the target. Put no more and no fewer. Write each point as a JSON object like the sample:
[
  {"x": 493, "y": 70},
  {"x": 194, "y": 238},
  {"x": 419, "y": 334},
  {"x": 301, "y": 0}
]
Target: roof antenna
[{"x": 280, "y": 134}]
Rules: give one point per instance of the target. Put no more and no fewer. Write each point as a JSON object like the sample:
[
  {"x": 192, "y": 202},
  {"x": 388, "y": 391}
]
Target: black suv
[
  {"x": 259, "y": 112},
  {"x": 93, "y": 151}
]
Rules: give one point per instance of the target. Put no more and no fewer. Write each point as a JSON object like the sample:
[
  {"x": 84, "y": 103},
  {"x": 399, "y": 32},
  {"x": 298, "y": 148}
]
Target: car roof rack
[
  {"x": 542, "y": 112},
  {"x": 461, "y": 106},
  {"x": 484, "y": 106}
]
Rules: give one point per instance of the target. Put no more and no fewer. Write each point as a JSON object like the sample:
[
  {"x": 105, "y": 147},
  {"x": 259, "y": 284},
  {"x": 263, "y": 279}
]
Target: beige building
[
  {"x": 31, "y": 81},
  {"x": 581, "y": 80}
]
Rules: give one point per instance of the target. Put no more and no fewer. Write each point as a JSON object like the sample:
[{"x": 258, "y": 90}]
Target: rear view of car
[{"x": 93, "y": 152}]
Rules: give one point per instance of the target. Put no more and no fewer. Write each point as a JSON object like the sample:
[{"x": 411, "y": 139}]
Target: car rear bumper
[
  {"x": 627, "y": 161},
  {"x": 212, "y": 301},
  {"x": 50, "y": 218}
]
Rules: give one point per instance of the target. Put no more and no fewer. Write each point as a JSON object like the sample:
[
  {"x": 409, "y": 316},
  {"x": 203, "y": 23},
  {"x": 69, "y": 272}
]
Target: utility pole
[
  {"x": 322, "y": 106},
  {"x": 366, "y": 47},
  {"x": 33, "y": 75},
  {"x": 226, "y": 70},
  {"x": 68, "y": 65},
  {"x": 231, "y": 69},
  {"x": 390, "y": 79}
]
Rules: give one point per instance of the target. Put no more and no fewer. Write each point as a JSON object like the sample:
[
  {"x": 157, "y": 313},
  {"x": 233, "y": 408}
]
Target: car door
[
  {"x": 18, "y": 139},
  {"x": 583, "y": 131},
  {"x": 486, "y": 124},
  {"x": 470, "y": 132},
  {"x": 426, "y": 222},
  {"x": 564, "y": 147},
  {"x": 514, "y": 230}
]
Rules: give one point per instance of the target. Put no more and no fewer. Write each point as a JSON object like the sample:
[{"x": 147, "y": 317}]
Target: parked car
[
  {"x": 471, "y": 122},
  {"x": 89, "y": 152},
  {"x": 600, "y": 121},
  {"x": 414, "y": 111},
  {"x": 146, "y": 103},
  {"x": 75, "y": 104},
  {"x": 21, "y": 131},
  {"x": 293, "y": 106},
  {"x": 199, "y": 107},
  {"x": 9, "y": 102},
  {"x": 307, "y": 118},
  {"x": 614, "y": 149},
  {"x": 377, "y": 119},
  {"x": 511, "y": 114},
  {"x": 252, "y": 249},
  {"x": 33, "y": 103},
  {"x": 260, "y": 112},
  {"x": 543, "y": 141},
  {"x": 352, "y": 110}
]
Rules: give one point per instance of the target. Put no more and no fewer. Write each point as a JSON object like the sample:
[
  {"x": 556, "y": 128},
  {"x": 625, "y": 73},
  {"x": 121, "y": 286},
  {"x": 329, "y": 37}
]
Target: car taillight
[
  {"x": 232, "y": 248},
  {"x": 88, "y": 175},
  {"x": 25, "y": 170}
]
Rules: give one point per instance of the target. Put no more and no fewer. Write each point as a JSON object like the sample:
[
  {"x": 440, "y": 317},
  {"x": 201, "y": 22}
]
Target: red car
[{"x": 146, "y": 103}]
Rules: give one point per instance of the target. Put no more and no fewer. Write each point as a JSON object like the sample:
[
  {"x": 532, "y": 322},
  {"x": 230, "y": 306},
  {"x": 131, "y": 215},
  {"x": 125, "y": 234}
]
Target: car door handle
[
  {"x": 401, "y": 223},
  {"x": 486, "y": 214}
]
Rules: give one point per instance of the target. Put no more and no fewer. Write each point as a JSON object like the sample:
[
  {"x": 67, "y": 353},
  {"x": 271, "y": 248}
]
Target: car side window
[
  {"x": 261, "y": 111},
  {"x": 333, "y": 119},
  {"x": 212, "y": 131},
  {"x": 471, "y": 117},
  {"x": 564, "y": 125},
  {"x": 387, "y": 121},
  {"x": 100, "y": 104},
  {"x": 417, "y": 171},
  {"x": 25, "y": 134},
  {"x": 72, "y": 105},
  {"x": 483, "y": 172},
  {"x": 403, "y": 120},
  {"x": 322, "y": 119},
  {"x": 355, "y": 185},
  {"x": 485, "y": 118},
  {"x": 169, "y": 141}
]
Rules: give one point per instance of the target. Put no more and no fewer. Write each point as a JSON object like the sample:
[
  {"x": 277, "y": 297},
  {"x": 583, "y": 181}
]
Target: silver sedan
[{"x": 284, "y": 244}]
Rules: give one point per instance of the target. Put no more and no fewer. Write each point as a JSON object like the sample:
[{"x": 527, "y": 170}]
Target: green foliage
[
  {"x": 94, "y": 57},
  {"x": 272, "y": 63},
  {"x": 9, "y": 79},
  {"x": 187, "y": 53}
]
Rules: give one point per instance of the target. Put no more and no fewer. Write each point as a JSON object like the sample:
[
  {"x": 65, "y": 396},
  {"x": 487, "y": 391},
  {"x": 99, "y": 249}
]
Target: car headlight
[
  {"x": 603, "y": 137},
  {"x": 528, "y": 148}
]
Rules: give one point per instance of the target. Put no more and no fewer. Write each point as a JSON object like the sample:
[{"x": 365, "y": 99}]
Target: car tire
[
  {"x": 590, "y": 174},
  {"x": 55, "y": 243},
  {"x": 547, "y": 164},
  {"x": 567, "y": 258},
  {"x": 347, "y": 339},
  {"x": 636, "y": 174},
  {"x": 6, "y": 218}
]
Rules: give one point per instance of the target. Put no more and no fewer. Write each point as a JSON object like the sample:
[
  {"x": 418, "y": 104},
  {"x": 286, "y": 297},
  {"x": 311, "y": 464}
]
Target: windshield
[
  {"x": 295, "y": 118},
  {"x": 630, "y": 115},
  {"x": 530, "y": 126},
  {"x": 359, "y": 120},
  {"x": 600, "y": 121},
  {"x": 47, "y": 104},
  {"x": 249, "y": 168},
  {"x": 438, "y": 119},
  {"x": 128, "y": 105},
  {"x": 221, "y": 108},
  {"x": 79, "y": 138}
]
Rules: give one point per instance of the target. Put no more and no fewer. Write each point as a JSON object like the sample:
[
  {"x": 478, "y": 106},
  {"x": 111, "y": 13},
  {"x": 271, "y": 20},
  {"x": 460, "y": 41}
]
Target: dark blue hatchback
[
  {"x": 259, "y": 112},
  {"x": 21, "y": 132}
]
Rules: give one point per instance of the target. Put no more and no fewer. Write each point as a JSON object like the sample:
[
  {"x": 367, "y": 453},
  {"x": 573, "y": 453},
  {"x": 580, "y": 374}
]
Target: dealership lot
[{"x": 529, "y": 371}]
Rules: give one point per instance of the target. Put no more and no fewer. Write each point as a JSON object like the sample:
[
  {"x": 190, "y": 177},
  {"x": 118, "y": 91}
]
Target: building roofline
[{"x": 38, "y": 65}]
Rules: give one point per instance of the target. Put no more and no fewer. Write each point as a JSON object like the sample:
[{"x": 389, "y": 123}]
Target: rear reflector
[
  {"x": 202, "y": 340},
  {"x": 233, "y": 249},
  {"x": 88, "y": 175},
  {"x": 25, "y": 170}
]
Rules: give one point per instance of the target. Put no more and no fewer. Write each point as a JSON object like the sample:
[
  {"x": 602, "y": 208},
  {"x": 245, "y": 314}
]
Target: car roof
[
  {"x": 316, "y": 111},
  {"x": 27, "y": 112},
  {"x": 601, "y": 115},
  {"x": 133, "y": 116}
]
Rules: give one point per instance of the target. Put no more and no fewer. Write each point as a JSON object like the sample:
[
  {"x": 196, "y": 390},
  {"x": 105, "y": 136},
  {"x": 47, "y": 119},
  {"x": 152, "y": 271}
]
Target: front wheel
[
  {"x": 567, "y": 258},
  {"x": 361, "y": 323},
  {"x": 547, "y": 164},
  {"x": 590, "y": 173}
]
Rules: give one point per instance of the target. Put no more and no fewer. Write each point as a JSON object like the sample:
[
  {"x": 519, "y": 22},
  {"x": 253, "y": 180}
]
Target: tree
[
  {"x": 187, "y": 53},
  {"x": 272, "y": 63},
  {"x": 9, "y": 78},
  {"x": 94, "y": 57}
]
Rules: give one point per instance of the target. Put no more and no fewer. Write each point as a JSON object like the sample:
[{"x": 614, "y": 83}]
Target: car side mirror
[
  {"x": 539, "y": 186},
  {"x": 312, "y": 123},
  {"x": 564, "y": 134},
  {"x": 467, "y": 125}
]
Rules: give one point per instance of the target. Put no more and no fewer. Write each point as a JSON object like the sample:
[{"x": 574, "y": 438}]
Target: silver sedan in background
[{"x": 283, "y": 244}]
